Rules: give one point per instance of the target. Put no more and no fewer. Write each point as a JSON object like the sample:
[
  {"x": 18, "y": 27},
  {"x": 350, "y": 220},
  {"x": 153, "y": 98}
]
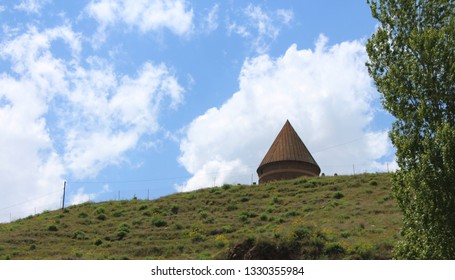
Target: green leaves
[{"x": 413, "y": 65}]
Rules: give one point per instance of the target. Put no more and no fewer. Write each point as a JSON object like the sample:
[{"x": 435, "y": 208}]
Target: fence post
[{"x": 64, "y": 190}]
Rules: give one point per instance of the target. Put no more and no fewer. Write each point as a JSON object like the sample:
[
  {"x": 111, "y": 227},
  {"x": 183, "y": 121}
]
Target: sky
[{"x": 145, "y": 98}]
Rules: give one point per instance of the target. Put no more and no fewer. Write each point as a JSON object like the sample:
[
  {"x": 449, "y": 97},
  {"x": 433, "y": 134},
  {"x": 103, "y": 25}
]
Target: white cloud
[
  {"x": 69, "y": 116},
  {"x": 31, "y": 6},
  {"x": 326, "y": 94},
  {"x": 142, "y": 14},
  {"x": 259, "y": 26},
  {"x": 210, "y": 21},
  {"x": 81, "y": 196}
]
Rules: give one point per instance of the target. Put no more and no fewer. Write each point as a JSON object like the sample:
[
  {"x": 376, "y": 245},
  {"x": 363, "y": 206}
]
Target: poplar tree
[{"x": 411, "y": 60}]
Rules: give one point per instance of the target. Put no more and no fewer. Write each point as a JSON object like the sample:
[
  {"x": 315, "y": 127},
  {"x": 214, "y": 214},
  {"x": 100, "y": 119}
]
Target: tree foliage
[{"x": 413, "y": 66}]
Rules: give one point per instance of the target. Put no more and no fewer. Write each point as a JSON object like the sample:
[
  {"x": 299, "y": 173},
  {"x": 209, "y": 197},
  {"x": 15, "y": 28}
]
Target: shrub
[
  {"x": 203, "y": 214},
  {"x": 228, "y": 229},
  {"x": 197, "y": 237},
  {"x": 82, "y": 215},
  {"x": 99, "y": 210},
  {"x": 373, "y": 183},
  {"x": 231, "y": 207},
  {"x": 143, "y": 207},
  {"x": 338, "y": 195},
  {"x": 291, "y": 213},
  {"x": 79, "y": 235},
  {"x": 118, "y": 213},
  {"x": 158, "y": 222},
  {"x": 243, "y": 217},
  {"x": 209, "y": 220},
  {"x": 98, "y": 242},
  {"x": 174, "y": 209},
  {"x": 276, "y": 200},
  {"x": 123, "y": 230},
  {"x": 52, "y": 228},
  {"x": 101, "y": 217},
  {"x": 364, "y": 250},
  {"x": 334, "y": 249}
]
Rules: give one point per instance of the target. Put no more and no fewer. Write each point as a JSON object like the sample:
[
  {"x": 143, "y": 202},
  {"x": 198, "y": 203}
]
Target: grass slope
[{"x": 344, "y": 217}]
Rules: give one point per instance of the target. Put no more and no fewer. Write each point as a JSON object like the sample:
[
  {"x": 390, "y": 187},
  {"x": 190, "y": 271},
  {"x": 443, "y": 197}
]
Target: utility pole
[
  {"x": 64, "y": 190},
  {"x": 353, "y": 168}
]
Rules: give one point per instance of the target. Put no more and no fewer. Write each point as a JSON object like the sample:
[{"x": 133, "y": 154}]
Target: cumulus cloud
[
  {"x": 69, "y": 116},
  {"x": 260, "y": 27},
  {"x": 326, "y": 94},
  {"x": 175, "y": 15}
]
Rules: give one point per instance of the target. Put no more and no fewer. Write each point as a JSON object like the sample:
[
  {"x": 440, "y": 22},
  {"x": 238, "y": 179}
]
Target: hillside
[{"x": 343, "y": 217}]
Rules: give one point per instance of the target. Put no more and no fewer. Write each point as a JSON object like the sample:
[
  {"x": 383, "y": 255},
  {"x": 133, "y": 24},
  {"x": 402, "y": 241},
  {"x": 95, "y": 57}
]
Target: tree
[{"x": 411, "y": 60}]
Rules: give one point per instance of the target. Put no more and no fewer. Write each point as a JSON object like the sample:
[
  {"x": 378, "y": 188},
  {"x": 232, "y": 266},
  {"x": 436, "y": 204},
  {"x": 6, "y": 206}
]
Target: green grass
[{"x": 343, "y": 217}]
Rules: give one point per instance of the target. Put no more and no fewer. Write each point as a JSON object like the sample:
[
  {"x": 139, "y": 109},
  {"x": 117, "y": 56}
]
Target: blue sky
[{"x": 147, "y": 98}]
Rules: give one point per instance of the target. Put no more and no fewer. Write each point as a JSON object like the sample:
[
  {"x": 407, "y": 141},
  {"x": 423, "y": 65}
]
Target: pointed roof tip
[{"x": 288, "y": 146}]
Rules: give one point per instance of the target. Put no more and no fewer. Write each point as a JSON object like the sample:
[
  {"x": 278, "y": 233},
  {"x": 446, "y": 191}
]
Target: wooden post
[{"x": 64, "y": 190}]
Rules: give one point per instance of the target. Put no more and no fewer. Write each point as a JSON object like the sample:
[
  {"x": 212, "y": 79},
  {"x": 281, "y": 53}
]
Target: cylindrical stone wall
[{"x": 285, "y": 170}]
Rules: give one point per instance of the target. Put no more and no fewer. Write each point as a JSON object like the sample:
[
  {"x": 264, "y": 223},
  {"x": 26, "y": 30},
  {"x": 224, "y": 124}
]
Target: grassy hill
[{"x": 343, "y": 217}]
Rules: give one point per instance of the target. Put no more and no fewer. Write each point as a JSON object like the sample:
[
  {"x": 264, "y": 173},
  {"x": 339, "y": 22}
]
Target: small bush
[
  {"x": 158, "y": 222},
  {"x": 264, "y": 217},
  {"x": 228, "y": 229},
  {"x": 123, "y": 230},
  {"x": 174, "y": 209},
  {"x": 82, "y": 215},
  {"x": 98, "y": 242},
  {"x": 231, "y": 207},
  {"x": 197, "y": 237},
  {"x": 209, "y": 220},
  {"x": 373, "y": 183},
  {"x": 364, "y": 250},
  {"x": 334, "y": 249},
  {"x": 137, "y": 222},
  {"x": 52, "y": 228},
  {"x": 99, "y": 210},
  {"x": 203, "y": 214},
  {"x": 118, "y": 213},
  {"x": 79, "y": 235},
  {"x": 243, "y": 217},
  {"x": 291, "y": 213},
  {"x": 338, "y": 195},
  {"x": 276, "y": 200},
  {"x": 101, "y": 217},
  {"x": 143, "y": 207}
]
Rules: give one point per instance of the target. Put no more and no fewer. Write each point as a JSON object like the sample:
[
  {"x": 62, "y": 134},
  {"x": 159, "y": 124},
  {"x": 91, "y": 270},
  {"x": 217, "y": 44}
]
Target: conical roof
[{"x": 288, "y": 146}]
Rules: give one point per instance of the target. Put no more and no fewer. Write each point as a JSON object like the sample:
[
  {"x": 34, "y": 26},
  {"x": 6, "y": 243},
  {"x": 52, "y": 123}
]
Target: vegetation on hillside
[{"x": 343, "y": 217}]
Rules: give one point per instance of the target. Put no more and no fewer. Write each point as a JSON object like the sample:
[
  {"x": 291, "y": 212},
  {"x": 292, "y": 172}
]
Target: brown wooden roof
[{"x": 288, "y": 146}]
